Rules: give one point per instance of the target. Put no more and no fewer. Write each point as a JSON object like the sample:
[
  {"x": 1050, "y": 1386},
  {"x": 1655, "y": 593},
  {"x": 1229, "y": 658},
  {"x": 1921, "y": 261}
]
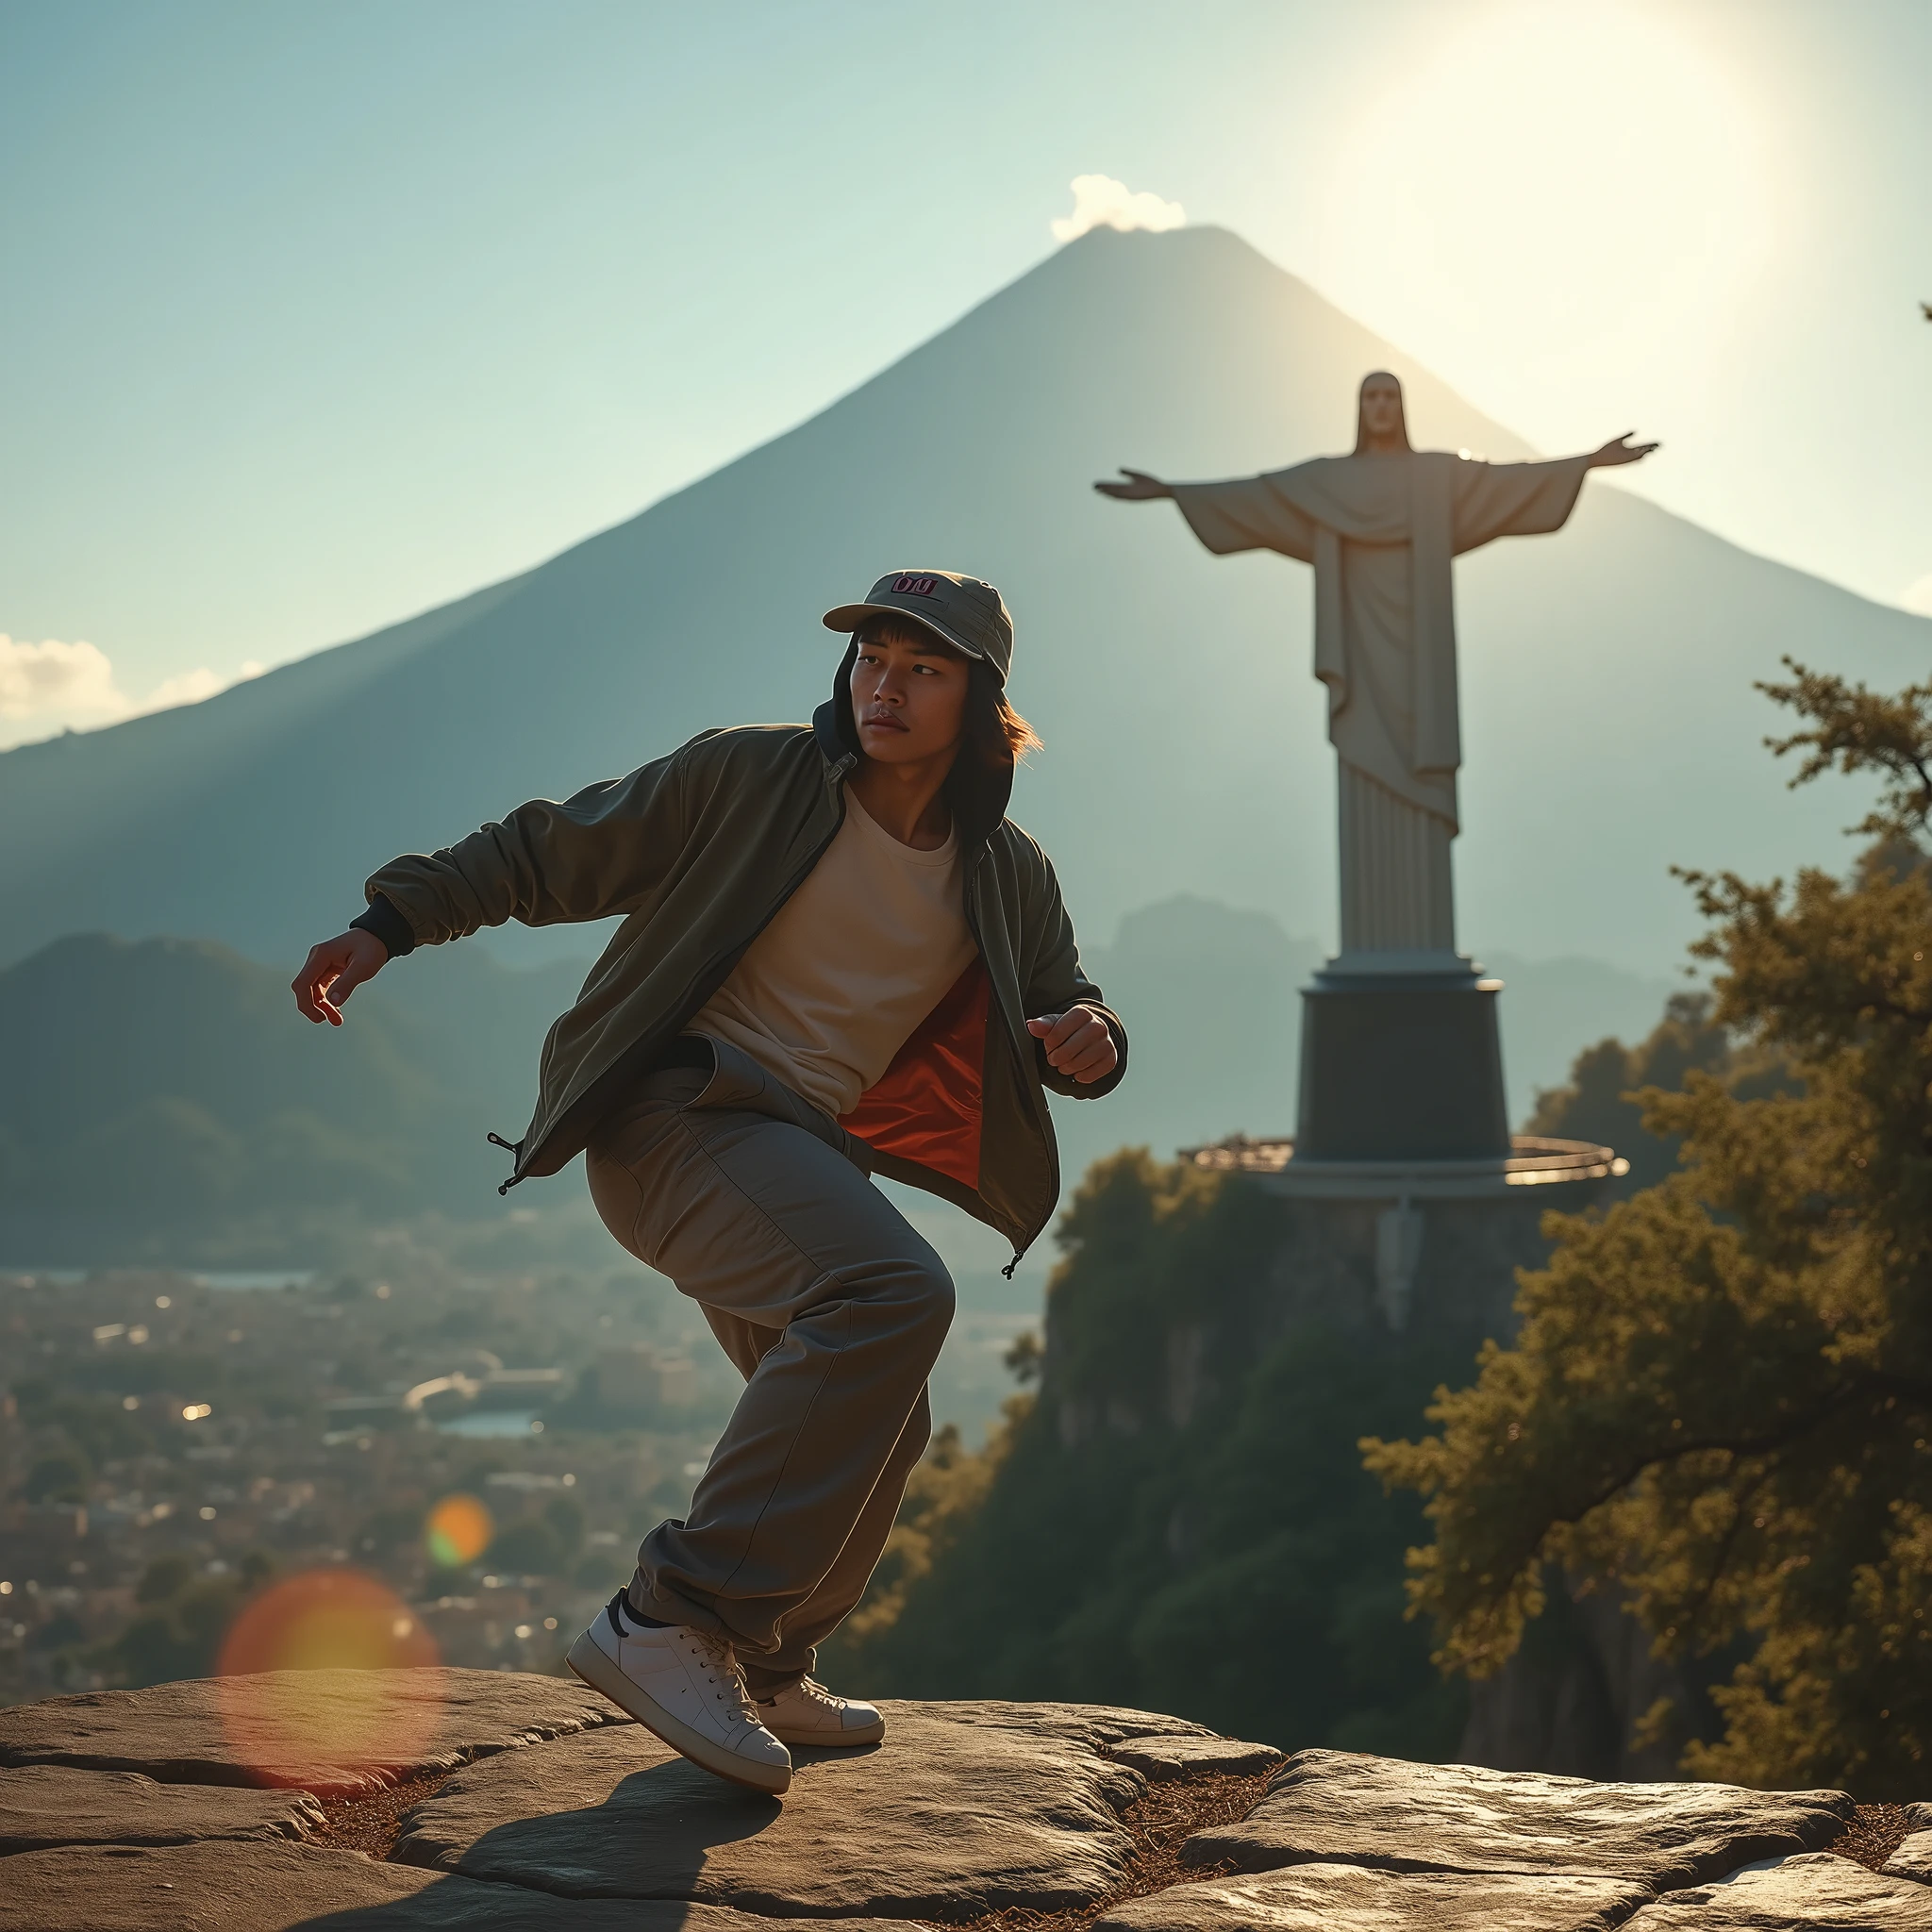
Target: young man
[{"x": 839, "y": 959}]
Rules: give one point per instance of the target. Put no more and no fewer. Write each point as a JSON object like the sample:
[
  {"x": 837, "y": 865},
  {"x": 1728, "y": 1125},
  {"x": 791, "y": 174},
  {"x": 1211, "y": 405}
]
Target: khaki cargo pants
[{"x": 759, "y": 1208}]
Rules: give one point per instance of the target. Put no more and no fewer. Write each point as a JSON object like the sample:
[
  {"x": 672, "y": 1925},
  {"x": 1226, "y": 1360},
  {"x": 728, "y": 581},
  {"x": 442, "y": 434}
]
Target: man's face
[
  {"x": 1381, "y": 409},
  {"x": 908, "y": 696}
]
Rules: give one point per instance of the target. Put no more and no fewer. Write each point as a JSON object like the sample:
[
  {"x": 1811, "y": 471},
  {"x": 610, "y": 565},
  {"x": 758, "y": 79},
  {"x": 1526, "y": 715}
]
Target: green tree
[
  {"x": 61, "y": 1477},
  {"x": 1720, "y": 1400},
  {"x": 179, "y": 1621},
  {"x": 1601, "y": 1101},
  {"x": 528, "y": 1547},
  {"x": 545, "y": 1543},
  {"x": 166, "y": 1576},
  {"x": 946, "y": 1493}
]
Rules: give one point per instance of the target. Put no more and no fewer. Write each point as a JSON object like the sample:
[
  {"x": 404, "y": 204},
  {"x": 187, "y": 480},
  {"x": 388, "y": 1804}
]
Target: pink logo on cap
[{"x": 914, "y": 586}]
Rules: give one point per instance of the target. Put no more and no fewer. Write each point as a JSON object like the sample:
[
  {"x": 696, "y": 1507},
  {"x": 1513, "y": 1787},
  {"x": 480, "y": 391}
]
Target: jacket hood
[{"x": 977, "y": 793}]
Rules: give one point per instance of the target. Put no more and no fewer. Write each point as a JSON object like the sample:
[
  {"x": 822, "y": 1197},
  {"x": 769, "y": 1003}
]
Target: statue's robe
[{"x": 1380, "y": 531}]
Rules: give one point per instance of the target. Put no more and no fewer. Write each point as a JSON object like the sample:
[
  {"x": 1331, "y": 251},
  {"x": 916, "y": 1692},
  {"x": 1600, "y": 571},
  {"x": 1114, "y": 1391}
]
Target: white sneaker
[
  {"x": 808, "y": 1714},
  {"x": 683, "y": 1685}
]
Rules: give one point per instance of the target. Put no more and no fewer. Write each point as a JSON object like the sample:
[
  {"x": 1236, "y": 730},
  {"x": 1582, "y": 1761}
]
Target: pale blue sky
[{"x": 315, "y": 316}]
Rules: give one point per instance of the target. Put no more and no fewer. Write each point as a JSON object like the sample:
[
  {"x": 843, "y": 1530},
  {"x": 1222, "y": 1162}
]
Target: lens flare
[
  {"x": 457, "y": 1531},
  {"x": 325, "y": 1682}
]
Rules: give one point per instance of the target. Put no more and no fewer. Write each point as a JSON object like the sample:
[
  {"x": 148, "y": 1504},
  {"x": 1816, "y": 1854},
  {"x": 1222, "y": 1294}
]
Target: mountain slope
[
  {"x": 158, "y": 1098},
  {"x": 1606, "y": 672}
]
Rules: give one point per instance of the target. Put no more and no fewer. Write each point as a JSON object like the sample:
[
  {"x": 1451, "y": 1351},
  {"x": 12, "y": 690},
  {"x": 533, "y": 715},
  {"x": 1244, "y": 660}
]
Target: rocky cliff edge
[{"x": 523, "y": 1804}]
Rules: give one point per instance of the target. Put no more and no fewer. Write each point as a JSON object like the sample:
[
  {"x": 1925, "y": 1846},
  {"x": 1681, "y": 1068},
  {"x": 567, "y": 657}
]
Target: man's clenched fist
[
  {"x": 1078, "y": 1043},
  {"x": 334, "y": 970}
]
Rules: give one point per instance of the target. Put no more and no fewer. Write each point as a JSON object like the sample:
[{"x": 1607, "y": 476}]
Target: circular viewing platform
[{"x": 1534, "y": 1161}]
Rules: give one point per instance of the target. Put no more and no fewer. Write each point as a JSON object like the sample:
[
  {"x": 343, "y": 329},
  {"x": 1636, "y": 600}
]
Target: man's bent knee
[
  {"x": 911, "y": 1289},
  {"x": 935, "y": 1295}
]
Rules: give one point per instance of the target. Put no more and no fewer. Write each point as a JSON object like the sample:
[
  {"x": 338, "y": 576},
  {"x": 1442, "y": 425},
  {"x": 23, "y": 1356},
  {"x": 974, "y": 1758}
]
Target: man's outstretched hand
[
  {"x": 1078, "y": 1043},
  {"x": 1139, "y": 488},
  {"x": 1619, "y": 451},
  {"x": 334, "y": 970}
]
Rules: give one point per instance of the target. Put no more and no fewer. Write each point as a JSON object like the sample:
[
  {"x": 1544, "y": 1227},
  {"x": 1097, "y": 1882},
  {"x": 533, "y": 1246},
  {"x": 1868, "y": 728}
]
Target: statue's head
[{"x": 1380, "y": 426}]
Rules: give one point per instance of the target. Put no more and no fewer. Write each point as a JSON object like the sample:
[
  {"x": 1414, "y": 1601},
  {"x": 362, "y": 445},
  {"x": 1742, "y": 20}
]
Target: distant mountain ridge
[
  {"x": 1609, "y": 719},
  {"x": 160, "y": 1099}
]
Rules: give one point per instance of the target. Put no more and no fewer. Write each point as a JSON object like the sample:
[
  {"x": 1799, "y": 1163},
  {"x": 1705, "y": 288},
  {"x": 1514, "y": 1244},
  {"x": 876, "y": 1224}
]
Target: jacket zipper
[{"x": 1053, "y": 1152}]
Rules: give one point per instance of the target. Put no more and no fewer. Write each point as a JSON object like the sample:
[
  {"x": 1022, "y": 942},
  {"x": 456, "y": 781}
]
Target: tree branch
[{"x": 1748, "y": 1446}]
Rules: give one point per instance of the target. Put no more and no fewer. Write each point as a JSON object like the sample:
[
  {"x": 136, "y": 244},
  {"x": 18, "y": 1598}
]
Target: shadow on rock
[{"x": 961, "y": 1811}]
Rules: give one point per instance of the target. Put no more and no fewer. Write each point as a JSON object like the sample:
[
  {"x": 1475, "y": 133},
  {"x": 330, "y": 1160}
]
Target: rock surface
[
  {"x": 48, "y": 1805},
  {"x": 1157, "y": 1759},
  {"x": 187, "y": 1734},
  {"x": 557, "y": 1816},
  {"x": 966, "y": 1808},
  {"x": 237, "y": 1888},
  {"x": 1350, "y": 1898},
  {"x": 1827, "y": 1893},
  {"x": 1914, "y": 1859},
  {"x": 1342, "y": 1807}
]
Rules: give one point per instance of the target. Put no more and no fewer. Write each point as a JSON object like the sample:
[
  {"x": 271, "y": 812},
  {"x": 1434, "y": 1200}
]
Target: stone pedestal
[{"x": 1401, "y": 1061}]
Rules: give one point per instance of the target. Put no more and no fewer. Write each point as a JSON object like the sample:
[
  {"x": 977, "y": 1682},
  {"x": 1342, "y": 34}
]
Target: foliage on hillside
[
  {"x": 162, "y": 1098},
  {"x": 1603, "y": 1099},
  {"x": 946, "y": 1491},
  {"x": 1599, "y": 1102},
  {"x": 1178, "y": 1520},
  {"x": 1721, "y": 1398},
  {"x": 181, "y": 1615}
]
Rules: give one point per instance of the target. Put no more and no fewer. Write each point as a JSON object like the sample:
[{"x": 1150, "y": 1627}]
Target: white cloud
[
  {"x": 1917, "y": 598},
  {"x": 190, "y": 688},
  {"x": 67, "y": 681},
  {"x": 52, "y": 687},
  {"x": 1101, "y": 202}
]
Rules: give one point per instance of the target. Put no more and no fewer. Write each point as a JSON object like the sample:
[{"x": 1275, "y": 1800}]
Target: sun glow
[
  {"x": 319, "y": 1680},
  {"x": 1564, "y": 190}
]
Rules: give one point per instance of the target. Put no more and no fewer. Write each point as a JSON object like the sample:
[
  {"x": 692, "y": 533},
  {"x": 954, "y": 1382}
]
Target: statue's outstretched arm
[
  {"x": 1493, "y": 500},
  {"x": 1619, "y": 451},
  {"x": 1139, "y": 488}
]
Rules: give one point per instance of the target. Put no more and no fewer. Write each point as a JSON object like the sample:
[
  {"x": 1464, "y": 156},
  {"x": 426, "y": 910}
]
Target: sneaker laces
[
  {"x": 725, "y": 1677},
  {"x": 809, "y": 1692}
]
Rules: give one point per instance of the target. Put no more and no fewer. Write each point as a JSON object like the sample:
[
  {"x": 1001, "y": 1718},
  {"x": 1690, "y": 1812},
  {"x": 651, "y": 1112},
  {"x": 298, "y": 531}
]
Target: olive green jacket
[{"x": 698, "y": 851}]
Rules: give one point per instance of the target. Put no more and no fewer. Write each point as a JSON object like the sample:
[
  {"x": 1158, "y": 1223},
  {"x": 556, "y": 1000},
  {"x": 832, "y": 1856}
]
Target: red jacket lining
[{"x": 926, "y": 1107}]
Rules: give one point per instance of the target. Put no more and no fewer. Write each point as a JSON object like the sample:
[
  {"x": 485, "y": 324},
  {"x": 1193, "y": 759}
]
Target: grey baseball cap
[{"x": 966, "y": 612}]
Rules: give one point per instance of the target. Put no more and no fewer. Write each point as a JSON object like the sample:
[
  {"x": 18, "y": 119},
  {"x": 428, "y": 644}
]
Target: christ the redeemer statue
[{"x": 1380, "y": 526}]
